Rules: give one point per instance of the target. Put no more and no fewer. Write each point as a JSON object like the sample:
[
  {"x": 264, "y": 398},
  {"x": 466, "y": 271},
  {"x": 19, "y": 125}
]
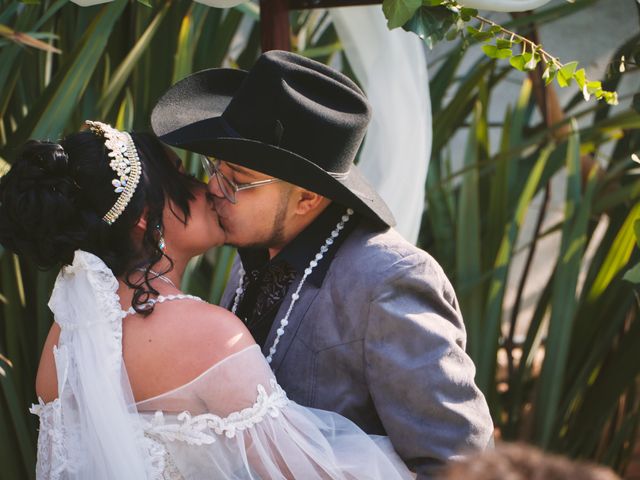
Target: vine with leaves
[{"x": 435, "y": 20}]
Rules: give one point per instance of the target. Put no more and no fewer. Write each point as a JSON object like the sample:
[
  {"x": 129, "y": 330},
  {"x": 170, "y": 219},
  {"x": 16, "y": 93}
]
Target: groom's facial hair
[{"x": 276, "y": 237}]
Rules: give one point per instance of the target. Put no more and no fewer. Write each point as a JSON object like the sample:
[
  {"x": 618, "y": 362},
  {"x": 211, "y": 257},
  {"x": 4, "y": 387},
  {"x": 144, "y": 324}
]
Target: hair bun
[
  {"x": 46, "y": 165},
  {"x": 38, "y": 212}
]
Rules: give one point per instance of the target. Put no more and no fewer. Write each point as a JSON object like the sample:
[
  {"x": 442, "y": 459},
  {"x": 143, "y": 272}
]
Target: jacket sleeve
[{"x": 420, "y": 378}]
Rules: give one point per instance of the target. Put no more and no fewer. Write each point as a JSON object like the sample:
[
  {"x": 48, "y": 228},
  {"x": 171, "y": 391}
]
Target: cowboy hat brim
[{"x": 189, "y": 116}]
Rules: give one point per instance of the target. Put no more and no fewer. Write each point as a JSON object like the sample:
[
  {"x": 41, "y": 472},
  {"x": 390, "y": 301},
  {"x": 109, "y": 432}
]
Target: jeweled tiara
[{"x": 124, "y": 161}]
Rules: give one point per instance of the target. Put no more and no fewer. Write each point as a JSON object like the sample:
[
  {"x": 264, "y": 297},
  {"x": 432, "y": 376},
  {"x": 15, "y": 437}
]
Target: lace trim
[
  {"x": 202, "y": 429},
  {"x": 53, "y": 458}
]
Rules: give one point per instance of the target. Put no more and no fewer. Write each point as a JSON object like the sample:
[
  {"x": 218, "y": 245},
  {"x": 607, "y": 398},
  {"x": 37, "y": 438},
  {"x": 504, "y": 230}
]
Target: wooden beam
[
  {"x": 274, "y": 18},
  {"x": 274, "y": 25},
  {"x": 307, "y": 4}
]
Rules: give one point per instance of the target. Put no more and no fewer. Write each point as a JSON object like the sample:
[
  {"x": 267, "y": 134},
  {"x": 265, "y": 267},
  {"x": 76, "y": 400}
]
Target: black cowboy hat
[{"x": 289, "y": 117}]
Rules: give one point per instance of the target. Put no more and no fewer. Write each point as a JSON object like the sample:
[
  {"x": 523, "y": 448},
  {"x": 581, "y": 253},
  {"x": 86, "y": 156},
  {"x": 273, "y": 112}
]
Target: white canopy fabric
[{"x": 391, "y": 67}]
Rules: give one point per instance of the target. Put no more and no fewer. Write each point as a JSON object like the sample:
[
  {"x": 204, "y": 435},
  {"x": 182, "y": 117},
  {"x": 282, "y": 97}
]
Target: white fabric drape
[
  {"x": 391, "y": 67},
  {"x": 91, "y": 430}
]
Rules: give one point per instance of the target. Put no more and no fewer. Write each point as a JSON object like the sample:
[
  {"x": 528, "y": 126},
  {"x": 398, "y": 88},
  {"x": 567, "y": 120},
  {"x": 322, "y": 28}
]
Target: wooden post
[
  {"x": 274, "y": 18},
  {"x": 274, "y": 25},
  {"x": 306, "y": 4}
]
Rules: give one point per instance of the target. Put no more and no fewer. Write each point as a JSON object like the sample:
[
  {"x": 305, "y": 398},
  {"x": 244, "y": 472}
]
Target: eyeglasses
[{"x": 228, "y": 187}]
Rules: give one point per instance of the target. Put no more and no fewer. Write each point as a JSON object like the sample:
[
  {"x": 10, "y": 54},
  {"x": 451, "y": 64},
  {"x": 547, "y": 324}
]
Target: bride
[{"x": 138, "y": 380}]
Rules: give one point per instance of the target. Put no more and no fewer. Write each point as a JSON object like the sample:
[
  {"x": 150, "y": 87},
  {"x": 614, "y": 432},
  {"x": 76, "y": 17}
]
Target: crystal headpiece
[{"x": 124, "y": 161}]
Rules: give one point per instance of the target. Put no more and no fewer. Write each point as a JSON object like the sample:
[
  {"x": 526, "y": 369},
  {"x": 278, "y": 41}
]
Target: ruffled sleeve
[{"x": 241, "y": 425}]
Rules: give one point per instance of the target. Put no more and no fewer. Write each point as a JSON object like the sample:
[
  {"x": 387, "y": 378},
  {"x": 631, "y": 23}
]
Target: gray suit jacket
[{"x": 383, "y": 343}]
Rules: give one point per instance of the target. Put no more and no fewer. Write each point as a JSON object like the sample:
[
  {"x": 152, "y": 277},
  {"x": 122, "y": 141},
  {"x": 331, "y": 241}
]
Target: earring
[{"x": 161, "y": 243}]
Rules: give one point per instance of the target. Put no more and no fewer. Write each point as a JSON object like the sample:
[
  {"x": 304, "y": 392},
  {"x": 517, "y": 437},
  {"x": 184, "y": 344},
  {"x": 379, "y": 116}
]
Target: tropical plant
[
  {"x": 435, "y": 20},
  {"x": 569, "y": 384}
]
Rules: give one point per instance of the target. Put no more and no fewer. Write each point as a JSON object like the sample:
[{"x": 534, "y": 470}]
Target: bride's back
[{"x": 172, "y": 346}]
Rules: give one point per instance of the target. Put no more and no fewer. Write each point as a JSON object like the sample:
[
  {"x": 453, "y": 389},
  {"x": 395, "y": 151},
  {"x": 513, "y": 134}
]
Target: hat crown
[
  {"x": 288, "y": 117},
  {"x": 302, "y": 106}
]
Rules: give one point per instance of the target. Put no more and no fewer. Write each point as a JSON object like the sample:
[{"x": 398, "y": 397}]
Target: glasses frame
[{"x": 212, "y": 169}]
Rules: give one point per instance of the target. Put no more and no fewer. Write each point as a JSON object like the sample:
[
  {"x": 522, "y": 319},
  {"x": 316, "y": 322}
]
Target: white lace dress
[{"x": 232, "y": 422}]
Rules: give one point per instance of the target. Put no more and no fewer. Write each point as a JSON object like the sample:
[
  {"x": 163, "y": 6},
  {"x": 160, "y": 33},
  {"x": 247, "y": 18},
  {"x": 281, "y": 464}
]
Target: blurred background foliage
[{"x": 568, "y": 384}]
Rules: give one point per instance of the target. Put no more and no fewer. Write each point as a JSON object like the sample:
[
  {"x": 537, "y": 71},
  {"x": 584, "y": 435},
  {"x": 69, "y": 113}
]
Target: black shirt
[{"x": 266, "y": 281}]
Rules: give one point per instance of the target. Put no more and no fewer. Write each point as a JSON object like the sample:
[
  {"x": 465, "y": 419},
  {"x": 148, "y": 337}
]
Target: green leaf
[
  {"x": 190, "y": 31},
  {"x": 518, "y": 62},
  {"x": 478, "y": 35},
  {"x": 618, "y": 255},
  {"x": 146, "y": 3},
  {"x": 565, "y": 74},
  {"x": 468, "y": 253},
  {"x": 549, "y": 73},
  {"x": 57, "y": 102},
  {"x": 495, "y": 298},
  {"x": 531, "y": 60},
  {"x": 593, "y": 87},
  {"x": 581, "y": 78},
  {"x": 564, "y": 301},
  {"x": 431, "y": 24},
  {"x": 494, "y": 52},
  {"x": 633, "y": 275},
  {"x": 125, "y": 68},
  {"x": 490, "y": 51},
  {"x": 398, "y": 12},
  {"x": 611, "y": 98},
  {"x": 452, "y": 34},
  {"x": 468, "y": 13},
  {"x": 501, "y": 43}
]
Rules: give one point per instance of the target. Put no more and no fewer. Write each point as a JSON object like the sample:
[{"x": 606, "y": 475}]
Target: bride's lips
[{"x": 210, "y": 200}]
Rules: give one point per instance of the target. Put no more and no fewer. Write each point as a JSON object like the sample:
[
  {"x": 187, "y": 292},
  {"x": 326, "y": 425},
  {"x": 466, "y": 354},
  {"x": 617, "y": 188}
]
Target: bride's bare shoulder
[{"x": 177, "y": 343}]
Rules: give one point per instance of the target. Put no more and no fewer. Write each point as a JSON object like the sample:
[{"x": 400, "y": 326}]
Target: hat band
[{"x": 340, "y": 176}]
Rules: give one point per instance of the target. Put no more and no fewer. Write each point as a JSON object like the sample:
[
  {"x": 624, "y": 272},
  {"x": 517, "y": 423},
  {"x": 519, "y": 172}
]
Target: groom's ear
[{"x": 307, "y": 201}]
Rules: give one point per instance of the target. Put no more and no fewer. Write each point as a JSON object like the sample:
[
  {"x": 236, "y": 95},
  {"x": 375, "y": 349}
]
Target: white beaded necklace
[
  {"x": 159, "y": 276},
  {"x": 296, "y": 295}
]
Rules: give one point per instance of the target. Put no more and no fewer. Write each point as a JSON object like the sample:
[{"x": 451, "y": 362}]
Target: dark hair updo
[{"x": 53, "y": 199}]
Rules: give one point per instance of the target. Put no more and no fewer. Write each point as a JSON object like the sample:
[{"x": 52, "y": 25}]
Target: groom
[{"x": 351, "y": 317}]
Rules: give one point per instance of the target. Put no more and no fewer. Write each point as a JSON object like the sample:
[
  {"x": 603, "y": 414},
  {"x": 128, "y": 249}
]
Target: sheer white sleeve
[{"x": 241, "y": 425}]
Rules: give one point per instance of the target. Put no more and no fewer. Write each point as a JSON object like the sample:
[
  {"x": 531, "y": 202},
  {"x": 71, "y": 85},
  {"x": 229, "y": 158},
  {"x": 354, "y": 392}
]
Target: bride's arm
[{"x": 46, "y": 378}]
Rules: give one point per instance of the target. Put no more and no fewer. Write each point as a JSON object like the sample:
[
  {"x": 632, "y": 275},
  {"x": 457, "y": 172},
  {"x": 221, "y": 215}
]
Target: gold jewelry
[{"x": 124, "y": 161}]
